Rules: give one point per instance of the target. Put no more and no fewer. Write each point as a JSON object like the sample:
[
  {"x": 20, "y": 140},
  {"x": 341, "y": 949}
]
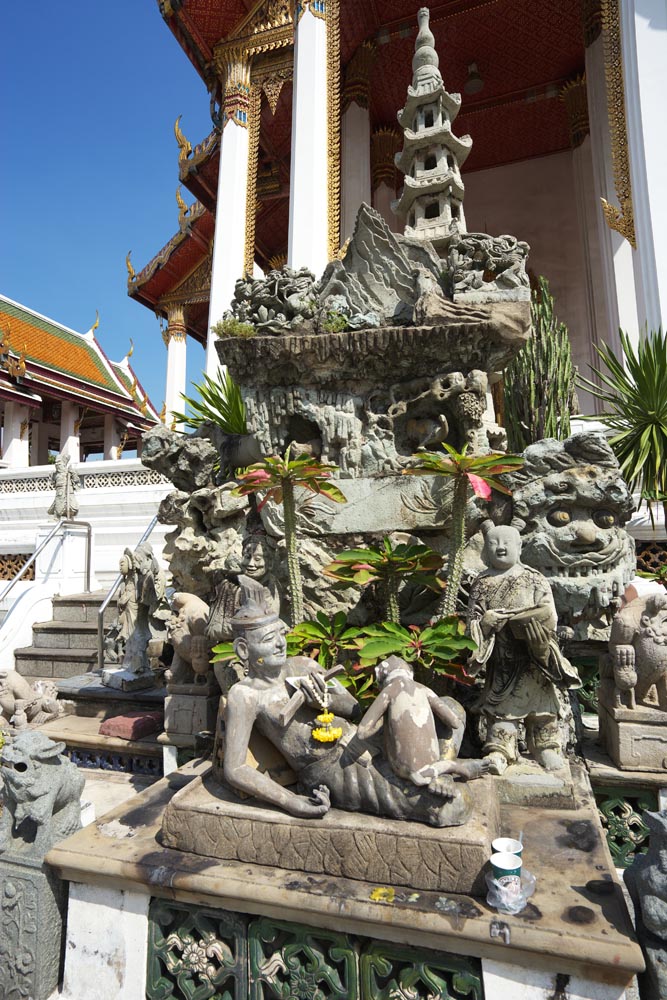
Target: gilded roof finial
[
  {"x": 131, "y": 350},
  {"x": 97, "y": 321},
  {"x": 182, "y": 207},
  {"x": 131, "y": 273},
  {"x": 184, "y": 146},
  {"x": 163, "y": 412},
  {"x": 144, "y": 406}
]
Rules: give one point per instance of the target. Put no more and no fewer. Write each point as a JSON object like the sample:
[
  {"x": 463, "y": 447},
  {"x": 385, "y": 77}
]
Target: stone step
[
  {"x": 83, "y": 608},
  {"x": 65, "y": 635},
  {"x": 54, "y": 661}
]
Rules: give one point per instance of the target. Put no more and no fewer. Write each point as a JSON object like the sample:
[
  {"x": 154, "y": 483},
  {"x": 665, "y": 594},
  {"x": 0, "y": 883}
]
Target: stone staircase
[{"x": 67, "y": 645}]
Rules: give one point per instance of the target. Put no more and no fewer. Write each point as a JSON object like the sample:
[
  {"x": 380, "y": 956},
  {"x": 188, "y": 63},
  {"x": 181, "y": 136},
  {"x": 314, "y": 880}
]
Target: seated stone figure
[
  {"x": 512, "y": 617},
  {"x": 350, "y": 774},
  {"x": 38, "y": 701},
  {"x": 406, "y": 711}
]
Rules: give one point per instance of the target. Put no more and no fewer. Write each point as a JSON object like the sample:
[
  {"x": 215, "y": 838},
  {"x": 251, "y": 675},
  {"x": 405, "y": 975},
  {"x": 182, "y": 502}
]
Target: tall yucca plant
[
  {"x": 220, "y": 402},
  {"x": 539, "y": 384},
  {"x": 634, "y": 392}
]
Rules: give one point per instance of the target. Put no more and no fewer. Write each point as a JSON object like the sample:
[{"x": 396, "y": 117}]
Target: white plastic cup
[
  {"x": 507, "y": 870},
  {"x": 507, "y": 845}
]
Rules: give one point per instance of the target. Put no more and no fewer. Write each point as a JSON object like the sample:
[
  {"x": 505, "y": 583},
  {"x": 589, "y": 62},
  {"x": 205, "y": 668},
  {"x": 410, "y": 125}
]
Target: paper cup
[
  {"x": 507, "y": 870},
  {"x": 506, "y": 845}
]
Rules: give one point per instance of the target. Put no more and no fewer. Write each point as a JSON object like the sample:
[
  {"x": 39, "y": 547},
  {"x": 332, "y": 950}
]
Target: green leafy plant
[
  {"x": 435, "y": 647},
  {"x": 276, "y": 479},
  {"x": 539, "y": 384},
  {"x": 324, "y": 639},
  {"x": 658, "y": 575},
  {"x": 335, "y": 322},
  {"x": 232, "y": 327},
  {"x": 476, "y": 473},
  {"x": 389, "y": 565},
  {"x": 634, "y": 391},
  {"x": 220, "y": 402}
]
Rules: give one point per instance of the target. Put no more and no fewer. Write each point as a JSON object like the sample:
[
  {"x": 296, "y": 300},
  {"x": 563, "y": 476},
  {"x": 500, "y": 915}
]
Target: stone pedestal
[
  {"x": 32, "y": 909},
  {"x": 634, "y": 738},
  {"x": 206, "y": 818},
  {"x": 189, "y": 709},
  {"x": 528, "y": 784}
]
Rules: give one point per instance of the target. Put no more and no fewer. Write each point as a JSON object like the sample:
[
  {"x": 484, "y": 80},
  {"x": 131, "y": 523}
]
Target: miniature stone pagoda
[{"x": 432, "y": 196}]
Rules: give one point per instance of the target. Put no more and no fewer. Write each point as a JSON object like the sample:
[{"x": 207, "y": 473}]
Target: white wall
[{"x": 535, "y": 200}]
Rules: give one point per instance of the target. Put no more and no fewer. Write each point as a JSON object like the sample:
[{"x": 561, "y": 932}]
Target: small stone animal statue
[
  {"x": 187, "y": 633},
  {"x": 39, "y": 700},
  {"x": 40, "y": 795},
  {"x": 407, "y": 711},
  {"x": 646, "y": 879},
  {"x": 638, "y": 650}
]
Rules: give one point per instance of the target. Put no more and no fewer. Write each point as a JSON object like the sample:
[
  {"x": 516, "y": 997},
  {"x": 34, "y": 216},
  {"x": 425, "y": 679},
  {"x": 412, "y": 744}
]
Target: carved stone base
[
  {"x": 126, "y": 680},
  {"x": 634, "y": 738},
  {"x": 528, "y": 784},
  {"x": 32, "y": 908},
  {"x": 186, "y": 714},
  {"x": 206, "y": 818}
]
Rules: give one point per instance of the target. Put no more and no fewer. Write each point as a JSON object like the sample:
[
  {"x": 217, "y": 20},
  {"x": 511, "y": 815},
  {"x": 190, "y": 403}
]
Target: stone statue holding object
[
  {"x": 65, "y": 482},
  {"x": 512, "y": 618},
  {"x": 277, "y": 697}
]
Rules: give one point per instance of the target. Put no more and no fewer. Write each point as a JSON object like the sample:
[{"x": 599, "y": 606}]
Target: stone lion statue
[
  {"x": 40, "y": 795},
  {"x": 638, "y": 651}
]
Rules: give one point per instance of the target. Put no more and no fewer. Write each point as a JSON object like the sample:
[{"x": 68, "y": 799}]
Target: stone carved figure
[
  {"x": 407, "y": 712},
  {"x": 276, "y": 303},
  {"x": 37, "y": 702},
  {"x": 571, "y": 504},
  {"x": 256, "y": 563},
  {"x": 128, "y": 602},
  {"x": 40, "y": 796},
  {"x": 65, "y": 482},
  {"x": 187, "y": 633},
  {"x": 486, "y": 268},
  {"x": 638, "y": 652},
  {"x": 152, "y": 609},
  {"x": 512, "y": 618},
  {"x": 646, "y": 879},
  {"x": 350, "y": 774}
]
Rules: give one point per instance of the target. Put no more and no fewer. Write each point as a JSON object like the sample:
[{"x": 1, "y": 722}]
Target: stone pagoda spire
[{"x": 432, "y": 195}]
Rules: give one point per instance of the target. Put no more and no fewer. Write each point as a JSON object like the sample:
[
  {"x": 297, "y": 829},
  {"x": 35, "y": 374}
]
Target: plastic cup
[
  {"x": 506, "y": 845},
  {"x": 507, "y": 870}
]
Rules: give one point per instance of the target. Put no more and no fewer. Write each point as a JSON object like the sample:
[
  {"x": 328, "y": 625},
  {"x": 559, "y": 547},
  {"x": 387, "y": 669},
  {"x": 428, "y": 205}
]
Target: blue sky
[{"x": 89, "y": 166}]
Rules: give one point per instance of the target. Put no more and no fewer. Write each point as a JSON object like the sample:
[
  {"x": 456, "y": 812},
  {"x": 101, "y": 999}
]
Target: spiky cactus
[{"x": 539, "y": 384}]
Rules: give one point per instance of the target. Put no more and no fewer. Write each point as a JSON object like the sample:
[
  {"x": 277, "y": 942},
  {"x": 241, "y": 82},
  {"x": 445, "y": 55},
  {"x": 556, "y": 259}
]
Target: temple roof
[{"x": 44, "y": 358}]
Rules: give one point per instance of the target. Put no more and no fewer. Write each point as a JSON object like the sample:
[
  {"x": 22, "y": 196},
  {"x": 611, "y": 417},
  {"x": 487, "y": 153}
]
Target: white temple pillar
[
  {"x": 355, "y": 139},
  {"x": 308, "y": 241},
  {"x": 15, "y": 435},
  {"x": 230, "y": 214},
  {"x": 69, "y": 431},
  {"x": 600, "y": 327},
  {"x": 643, "y": 33},
  {"x": 385, "y": 143},
  {"x": 615, "y": 251},
  {"x": 111, "y": 438},
  {"x": 175, "y": 338}
]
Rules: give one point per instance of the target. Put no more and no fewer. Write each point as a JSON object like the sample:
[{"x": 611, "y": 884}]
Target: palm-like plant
[
  {"x": 634, "y": 391},
  {"x": 389, "y": 565},
  {"x": 435, "y": 647},
  {"x": 276, "y": 479},
  {"x": 220, "y": 402},
  {"x": 476, "y": 473}
]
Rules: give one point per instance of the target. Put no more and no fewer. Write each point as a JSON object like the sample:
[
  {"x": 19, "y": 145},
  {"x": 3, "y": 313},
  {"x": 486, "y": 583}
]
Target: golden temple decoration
[
  {"x": 183, "y": 209},
  {"x": 143, "y": 409},
  {"x": 15, "y": 367},
  {"x": 184, "y": 147},
  {"x": 277, "y": 261},
  {"x": 385, "y": 143},
  {"x": 333, "y": 122},
  {"x": 163, "y": 412},
  {"x": 251, "y": 183},
  {"x": 199, "y": 153},
  {"x": 591, "y": 16},
  {"x": 77, "y": 423},
  {"x": 272, "y": 86},
  {"x": 358, "y": 76},
  {"x": 267, "y": 27},
  {"x": 131, "y": 350},
  {"x": 621, "y": 219},
  {"x": 97, "y": 321},
  {"x": 133, "y": 387},
  {"x": 234, "y": 68},
  {"x": 131, "y": 273},
  {"x": 574, "y": 97},
  {"x": 23, "y": 429}
]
